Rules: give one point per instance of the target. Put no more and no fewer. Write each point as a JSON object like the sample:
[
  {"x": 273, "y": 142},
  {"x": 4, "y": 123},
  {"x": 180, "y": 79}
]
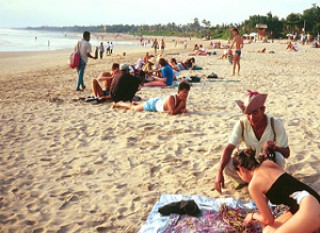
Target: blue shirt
[{"x": 167, "y": 73}]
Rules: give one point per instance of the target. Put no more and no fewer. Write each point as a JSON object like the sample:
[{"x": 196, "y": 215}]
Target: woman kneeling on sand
[
  {"x": 173, "y": 104},
  {"x": 267, "y": 181}
]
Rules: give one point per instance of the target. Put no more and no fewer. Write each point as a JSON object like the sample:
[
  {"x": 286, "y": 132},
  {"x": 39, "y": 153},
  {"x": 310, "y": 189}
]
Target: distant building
[{"x": 261, "y": 30}]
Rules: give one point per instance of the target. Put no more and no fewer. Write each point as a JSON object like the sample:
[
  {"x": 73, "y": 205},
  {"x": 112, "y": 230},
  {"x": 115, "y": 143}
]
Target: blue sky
[{"x": 23, "y": 13}]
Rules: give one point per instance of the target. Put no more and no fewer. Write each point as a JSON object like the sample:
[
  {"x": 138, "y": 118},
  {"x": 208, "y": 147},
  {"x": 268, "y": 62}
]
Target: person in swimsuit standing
[
  {"x": 173, "y": 104},
  {"x": 238, "y": 41},
  {"x": 267, "y": 181}
]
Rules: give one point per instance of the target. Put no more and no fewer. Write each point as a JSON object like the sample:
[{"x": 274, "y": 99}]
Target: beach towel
[{"x": 217, "y": 215}]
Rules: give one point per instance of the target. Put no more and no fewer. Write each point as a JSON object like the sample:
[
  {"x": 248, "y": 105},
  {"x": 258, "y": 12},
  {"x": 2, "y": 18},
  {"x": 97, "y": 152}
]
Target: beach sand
[{"x": 71, "y": 166}]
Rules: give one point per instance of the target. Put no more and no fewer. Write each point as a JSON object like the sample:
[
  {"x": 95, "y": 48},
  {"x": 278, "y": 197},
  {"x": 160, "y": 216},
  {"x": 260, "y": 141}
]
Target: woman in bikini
[{"x": 267, "y": 181}]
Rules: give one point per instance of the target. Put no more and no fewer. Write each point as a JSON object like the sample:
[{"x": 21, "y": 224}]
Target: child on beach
[
  {"x": 238, "y": 42},
  {"x": 173, "y": 104}
]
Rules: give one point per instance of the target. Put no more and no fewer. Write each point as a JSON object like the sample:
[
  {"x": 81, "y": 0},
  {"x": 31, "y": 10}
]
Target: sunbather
[
  {"x": 106, "y": 78},
  {"x": 173, "y": 104},
  {"x": 166, "y": 78}
]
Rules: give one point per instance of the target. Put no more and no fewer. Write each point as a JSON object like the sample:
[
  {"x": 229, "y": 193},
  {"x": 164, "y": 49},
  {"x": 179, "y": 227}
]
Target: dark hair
[
  {"x": 173, "y": 60},
  {"x": 245, "y": 158},
  {"x": 184, "y": 86},
  {"x": 193, "y": 60},
  {"x": 163, "y": 62},
  {"x": 235, "y": 30},
  {"x": 86, "y": 34},
  {"x": 115, "y": 66}
]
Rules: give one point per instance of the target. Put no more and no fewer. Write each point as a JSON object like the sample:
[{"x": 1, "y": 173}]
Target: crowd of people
[{"x": 261, "y": 166}]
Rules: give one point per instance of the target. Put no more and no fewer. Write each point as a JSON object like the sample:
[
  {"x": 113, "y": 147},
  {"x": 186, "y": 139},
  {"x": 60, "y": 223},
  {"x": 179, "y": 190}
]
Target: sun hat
[
  {"x": 124, "y": 67},
  {"x": 253, "y": 101}
]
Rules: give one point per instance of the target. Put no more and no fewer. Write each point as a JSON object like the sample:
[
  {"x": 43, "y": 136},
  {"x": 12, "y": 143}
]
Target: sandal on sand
[{"x": 91, "y": 98}]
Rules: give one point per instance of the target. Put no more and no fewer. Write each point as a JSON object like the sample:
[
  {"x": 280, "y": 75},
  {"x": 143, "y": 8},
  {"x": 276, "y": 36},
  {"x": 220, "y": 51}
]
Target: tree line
[{"x": 294, "y": 23}]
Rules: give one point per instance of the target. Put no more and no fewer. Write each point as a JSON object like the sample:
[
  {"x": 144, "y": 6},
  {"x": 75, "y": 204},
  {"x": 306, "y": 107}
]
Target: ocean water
[{"x": 29, "y": 40}]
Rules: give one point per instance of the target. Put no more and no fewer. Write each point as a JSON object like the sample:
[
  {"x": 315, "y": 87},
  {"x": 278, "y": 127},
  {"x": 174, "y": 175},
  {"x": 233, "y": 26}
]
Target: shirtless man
[
  {"x": 105, "y": 77},
  {"x": 238, "y": 41},
  {"x": 173, "y": 104}
]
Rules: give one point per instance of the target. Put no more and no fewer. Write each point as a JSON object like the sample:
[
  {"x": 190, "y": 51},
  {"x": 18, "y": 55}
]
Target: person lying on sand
[
  {"x": 257, "y": 130},
  {"x": 268, "y": 182},
  {"x": 200, "y": 52},
  {"x": 173, "y": 104},
  {"x": 106, "y": 78},
  {"x": 189, "y": 64}
]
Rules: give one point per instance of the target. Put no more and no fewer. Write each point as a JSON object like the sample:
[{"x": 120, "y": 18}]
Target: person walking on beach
[
  {"x": 163, "y": 45},
  {"x": 258, "y": 131},
  {"x": 108, "y": 48},
  {"x": 238, "y": 42},
  {"x": 101, "y": 49},
  {"x": 111, "y": 48},
  {"x": 155, "y": 46},
  {"x": 85, "y": 49}
]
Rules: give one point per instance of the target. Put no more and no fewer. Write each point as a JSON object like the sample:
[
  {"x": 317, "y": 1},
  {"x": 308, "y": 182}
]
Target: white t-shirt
[
  {"x": 250, "y": 139},
  {"x": 85, "y": 48}
]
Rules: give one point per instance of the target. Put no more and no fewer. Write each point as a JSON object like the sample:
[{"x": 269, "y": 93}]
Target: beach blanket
[{"x": 217, "y": 215}]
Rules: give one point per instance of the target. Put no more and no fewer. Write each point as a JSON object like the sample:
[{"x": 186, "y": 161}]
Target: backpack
[{"x": 75, "y": 57}]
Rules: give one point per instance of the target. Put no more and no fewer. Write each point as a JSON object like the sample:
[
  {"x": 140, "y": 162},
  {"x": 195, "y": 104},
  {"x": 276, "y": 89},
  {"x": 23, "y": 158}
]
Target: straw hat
[{"x": 253, "y": 101}]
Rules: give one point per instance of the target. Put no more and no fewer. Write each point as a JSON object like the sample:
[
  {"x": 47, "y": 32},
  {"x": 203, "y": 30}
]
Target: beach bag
[
  {"x": 212, "y": 75},
  {"x": 75, "y": 57}
]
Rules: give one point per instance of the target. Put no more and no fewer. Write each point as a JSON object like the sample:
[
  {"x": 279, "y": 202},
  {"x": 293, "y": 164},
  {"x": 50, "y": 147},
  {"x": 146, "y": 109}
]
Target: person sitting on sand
[
  {"x": 166, "y": 78},
  {"x": 257, "y": 131},
  {"x": 196, "y": 47},
  {"x": 105, "y": 77},
  {"x": 173, "y": 104},
  {"x": 227, "y": 53},
  {"x": 124, "y": 86},
  {"x": 268, "y": 182},
  {"x": 200, "y": 52},
  {"x": 230, "y": 56},
  {"x": 291, "y": 47},
  {"x": 174, "y": 65},
  {"x": 190, "y": 64}
]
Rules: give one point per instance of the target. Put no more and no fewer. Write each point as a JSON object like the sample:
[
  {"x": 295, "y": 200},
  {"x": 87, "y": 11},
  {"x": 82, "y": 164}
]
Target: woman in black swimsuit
[{"x": 267, "y": 181}]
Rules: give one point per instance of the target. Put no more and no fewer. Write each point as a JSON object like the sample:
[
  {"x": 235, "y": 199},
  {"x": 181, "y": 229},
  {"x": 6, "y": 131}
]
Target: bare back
[
  {"x": 266, "y": 175},
  {"x": 238, "y": 41}
]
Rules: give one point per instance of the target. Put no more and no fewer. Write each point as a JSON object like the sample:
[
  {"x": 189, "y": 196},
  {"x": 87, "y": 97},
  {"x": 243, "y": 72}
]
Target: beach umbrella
[
  {"x": 245, "y": 35},
  {"x": 289, "y": 34}
]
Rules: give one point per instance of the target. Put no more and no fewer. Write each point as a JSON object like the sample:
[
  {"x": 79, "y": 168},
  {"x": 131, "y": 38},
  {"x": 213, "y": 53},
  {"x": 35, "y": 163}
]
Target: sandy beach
[{"x": 71, "y": 166}]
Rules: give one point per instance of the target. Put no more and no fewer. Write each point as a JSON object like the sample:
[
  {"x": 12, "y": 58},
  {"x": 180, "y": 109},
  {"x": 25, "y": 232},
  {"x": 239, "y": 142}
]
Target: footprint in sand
[
  {"x": 102, "y": 229},
  {"x": 154, "y": 170},
  {"x": 38, "y": 230}
]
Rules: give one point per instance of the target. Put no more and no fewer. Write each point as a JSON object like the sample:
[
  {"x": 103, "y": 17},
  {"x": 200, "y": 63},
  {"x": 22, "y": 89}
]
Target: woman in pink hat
[{"x": 259, "y": 132}]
